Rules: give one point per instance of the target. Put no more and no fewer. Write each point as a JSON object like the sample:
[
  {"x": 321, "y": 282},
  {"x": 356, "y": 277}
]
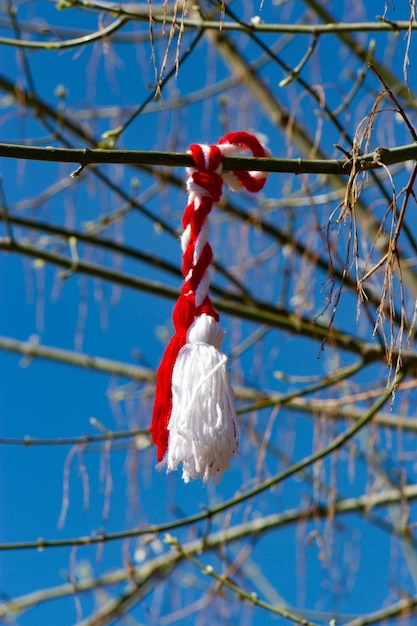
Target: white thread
[
  {"x": 204, "y": 284},
  {"x": 206, "y": 152},
  {"x": 205, "y": 329},
  {"x": 186, "y": 238},
  {"x": 203, "y": 432},
  {"x": 201, "y": 241},
  {"x": 202, "y": 288}
]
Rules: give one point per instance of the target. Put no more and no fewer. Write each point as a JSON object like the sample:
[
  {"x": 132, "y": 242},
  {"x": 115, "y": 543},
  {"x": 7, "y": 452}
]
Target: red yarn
[{"x": 205, "y": 188}]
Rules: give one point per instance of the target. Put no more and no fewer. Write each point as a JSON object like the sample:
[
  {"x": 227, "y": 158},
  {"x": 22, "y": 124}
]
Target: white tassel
[{"x": 203, "y": 431}]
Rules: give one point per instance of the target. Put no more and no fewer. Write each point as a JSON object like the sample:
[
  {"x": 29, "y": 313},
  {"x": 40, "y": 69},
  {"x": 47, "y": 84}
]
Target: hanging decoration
[{"x": 194, "y": 419}]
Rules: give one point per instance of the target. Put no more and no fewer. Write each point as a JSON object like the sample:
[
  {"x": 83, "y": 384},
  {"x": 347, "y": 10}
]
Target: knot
[
  {"x": 206, "y": 174},
  {"x": 211, "y": 182},
  {"x": 205, "y": 329},
  {"x": 184, "y": 313},
  {"x": 206, "y": 158}
]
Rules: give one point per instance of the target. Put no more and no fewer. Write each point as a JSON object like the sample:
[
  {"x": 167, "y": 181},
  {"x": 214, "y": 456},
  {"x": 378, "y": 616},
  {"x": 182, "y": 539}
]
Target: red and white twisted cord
[{"x": 194, "y": 420}]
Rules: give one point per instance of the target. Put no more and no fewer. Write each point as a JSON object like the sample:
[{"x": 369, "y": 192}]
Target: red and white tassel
[{"x": 194, "y": 419}]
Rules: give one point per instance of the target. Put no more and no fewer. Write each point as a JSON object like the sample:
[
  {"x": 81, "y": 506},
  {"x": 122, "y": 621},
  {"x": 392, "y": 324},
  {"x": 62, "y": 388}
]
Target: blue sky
[{"x": 116, "y": 488}]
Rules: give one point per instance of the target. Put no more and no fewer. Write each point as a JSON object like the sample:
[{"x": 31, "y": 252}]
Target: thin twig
[{"x": 70, "y": 43}]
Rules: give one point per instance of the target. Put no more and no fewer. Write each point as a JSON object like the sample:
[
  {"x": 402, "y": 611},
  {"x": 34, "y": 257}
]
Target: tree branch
[
  {"x": 70, "y": 43},
  {"x": 371, "y": 161},
  {"x": 163, "y": 564}
]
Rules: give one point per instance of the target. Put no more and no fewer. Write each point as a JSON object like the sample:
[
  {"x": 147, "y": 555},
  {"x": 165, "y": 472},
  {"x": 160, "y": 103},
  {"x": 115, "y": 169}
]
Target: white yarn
[
  {"x": 201, "y": 240},
  {"x": 203, "y": 432}
]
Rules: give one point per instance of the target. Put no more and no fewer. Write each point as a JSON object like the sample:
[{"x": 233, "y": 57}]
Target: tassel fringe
[{"x": 203, "y": 432}]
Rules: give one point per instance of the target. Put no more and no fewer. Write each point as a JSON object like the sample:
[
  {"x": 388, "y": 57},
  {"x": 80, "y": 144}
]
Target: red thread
[
  {"x": 183, "y": 316},
  {"x": 205, "y": 188}
]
